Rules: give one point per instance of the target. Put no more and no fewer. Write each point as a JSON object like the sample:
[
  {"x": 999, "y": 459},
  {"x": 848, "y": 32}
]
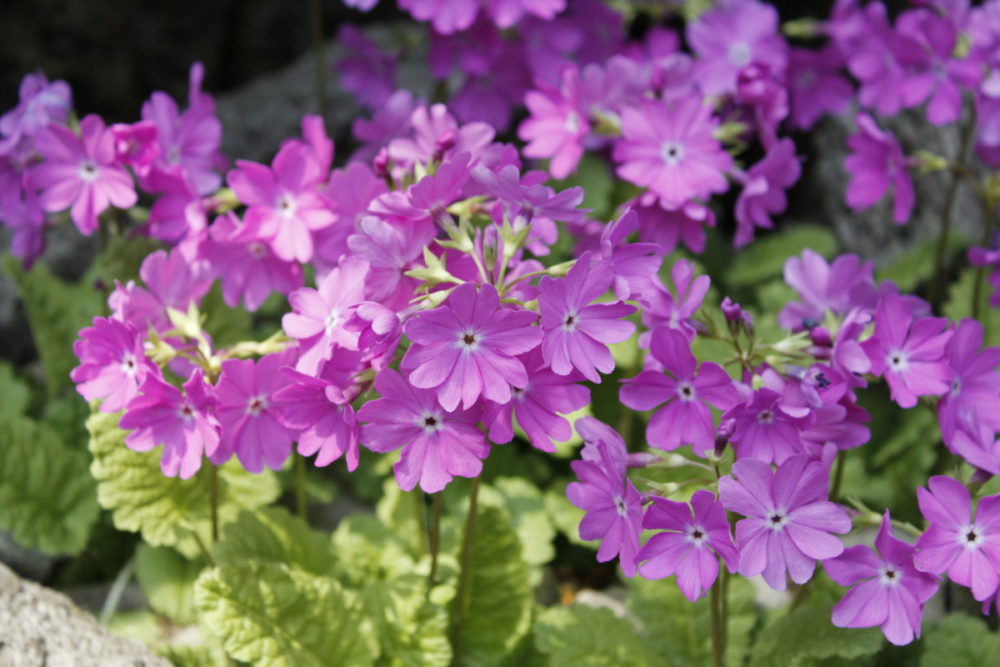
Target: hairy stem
[
  {"x": 300, "y": 486},
  {"x": 718, "y": 651}
]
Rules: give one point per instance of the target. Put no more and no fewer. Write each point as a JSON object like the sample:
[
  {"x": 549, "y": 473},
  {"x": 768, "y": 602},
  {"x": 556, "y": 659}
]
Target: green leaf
[
  {"x": 271, "y": 614},
  {"x": 225, "y": 325},
  {"x": 411, "y": 630},
  {"x": 167, "y": 578},
  {"x": 528, "y": 513},
  {"x": 959, "y": 304},
  {"x": 56, "y": 312},
  {"x": 960, "y": 641},
  {"x": 273, "y": 535},
  {"x": 166, "y": 510},
  {"x": 121, "y": 258},
  {"x": 14, "y": 393},
  {"x": 47, "y": 498},
  {"x": 194, "y": 655},
  {"x": 594, "y": 176},
  {"x": 405, "y": 513},
  {"x": 765, "y": 258},
  {"x": 367, "y": 550},
  {"x": 917, "y": 264},
  {"x": 565, "y": 515},
  {"x": 679, "y": 628},
  {"x": 497, "y": 605},
  {"x": 807, "y": 634},
  {"x": 579, "y": 635}
]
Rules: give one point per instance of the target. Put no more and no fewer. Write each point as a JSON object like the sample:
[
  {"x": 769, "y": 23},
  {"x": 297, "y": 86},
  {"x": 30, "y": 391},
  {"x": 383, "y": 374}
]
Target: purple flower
[
  {"x": 537, "y": 406},
  {"x": 39, "y": 104},
  {"x": 789, "y": 519},
  {"x": 733, "y": 36},
  {"x": 676, "y": 308},
  {"x": 321, "y": 413},
  {"x": 695, "y": 537},
  {"x": 436, "y": 135},
  {"x": 685, "y": 418},
  {"x": 437, "y": 445},
  {"x": 81, "y": 173},
  {"x": 887, "y": 589},
  {"x": 876, "y": 164},
  {"x": 183, "y": 423},
  {"x": 816, "y": 86},
  {"x": 506, "y": 13},
  {"x": 822, "y": 287},
  {"x": 468, "y": 347},
  {"x": 669, "y": 226},
  {"x": 974, "y": 398},
  {"x": 391, "y": 251},
  {"x": 247, "y": 413},
  {"x": 763, "y": 193},
  {"x": 671, "y": 149},
  {"x": 349, "y": 193},
  {"x": 365, "y": 70},
  {"x": 112, "y": 363},
  {"x": 634, "y": 265},
  {"x": 764, "y": 431},
  {"x": 613, "y": 506},
  {"x": 967, "y": 548},
  {"x": 173, "y": 280},
  {"x": 577, "y": 331},
  {"x": 881, "y": 58},
  {"x": 318, "y": 315},
  {"x": 447, "y": 16},
  {"x": 558, "y": 124},
  {"x": 909, "y": 352}
]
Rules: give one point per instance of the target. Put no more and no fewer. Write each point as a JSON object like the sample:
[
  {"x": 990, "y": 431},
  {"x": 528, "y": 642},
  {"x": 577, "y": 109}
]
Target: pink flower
[
  {"x": 909, "y": 352},
  {"x": 81, "y": 173},
  {"x": 447, "y": 16},
  {"x": 877, "y": 165},
  {"x": 247, "y": 413},
  {"x": 558, "y": 124},
  {"x": 172, "y": 281},
  {"x": 634, "y": 265},
  {"x": 887, "y": 590},
  {"x": 613, "y": 506},
  {"x": 763, "y": 193},
  {"x": 695, "y": 537},
  {"x": 974, "y": 398},
  {"x": 578, "y": 331},
  {"x": 675, "y": 308},
  {"x": 468, "y": 347},
  {"x": 183, "y": 423},
  {"x": 764, "y": 431},
  {"x": 321, "y": 413},
  {"x": 391, "y": 251},
  {"x": 537, "y": 406},
  {"x": 671, "y": 149},
  {"x": 967, "y": 548},
  {"x": 436, "y": 134},
  {"x": 365, "y": 70},
  {"x": 437, "y": 445},
  {"x": 816, "y": 86},
  {"x": 789, "y": 519},
  {"x": 823, "y": 287},
  {"x": 112, "y": 363},
  {"x": 684, "y": 394},
  {"x": 39, "y": 104},
  {"x": 667, "y": 227}
]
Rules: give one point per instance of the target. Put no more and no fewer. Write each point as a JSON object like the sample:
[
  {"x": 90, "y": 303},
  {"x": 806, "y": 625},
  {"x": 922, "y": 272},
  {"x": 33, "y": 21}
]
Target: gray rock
[{"x": 42, "y": 627}]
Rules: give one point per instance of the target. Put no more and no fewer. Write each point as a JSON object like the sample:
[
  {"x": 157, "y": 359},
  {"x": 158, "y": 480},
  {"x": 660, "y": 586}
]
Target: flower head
[
  {"x": 112, "y": 363},
  {"x": 877, "y": 165}
]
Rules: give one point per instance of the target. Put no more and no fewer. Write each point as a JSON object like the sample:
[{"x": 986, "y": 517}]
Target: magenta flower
[
  {"x": 246, "y": 411},
  {"x": 447, "y": 16},
  {"x": 684, "y": 393},
  {"x": 318, "y": 315},
  {"x": 349, "y": 193},
  {"x": 763, "y": 193},
  {"x": 877, "y": 165},
  {"x": 671, "y": 149},
  {"x": 675, "y": 308},
  {"x": 183, "y": 423},
  {"x": 468, "y": 347},
  {"x": 909, "y": 352},
  {"x": 613, "y": 506},
  {"x": 668, "y": 227},
  {"x": 577, "y": 331},
  {"x": 505, "y": 13},
  {"x": 822, "y": 287},
  {"x": 881, "y": 58},
  {"x": 112, "y": 363},
  {"x": 816, "y": 86},
  {"x": 81, "y": 173},
  {"x": 537, "y": 406},
  {"x": 436, "y": 135},
  {"x": 39, "y": 103},
  {"x": 789, "y": 519},
  {"x": 764, "y": 431},
  {"x": 558, "y": 124},
  {"x": 695, "y": 537},
  {"x": 437, "y": 445},
  {"x": 365, "y": 70},
  {"x": 321, "y": 413},
  {"x": 887, "y": 590},
  {"x": 974, "y": 398},
  {"x": 172, "y": 280},
  {"x": 391, "y": 251},
  {"x": 967, "y": 548},
  {"x": 634, "y": 265},
  {"x": 284, "y": 207}
]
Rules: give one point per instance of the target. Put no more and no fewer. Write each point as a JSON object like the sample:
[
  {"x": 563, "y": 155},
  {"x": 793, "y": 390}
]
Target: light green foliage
[
  {"x": 498, "y": 603},
  {"x": 528, "y": 513},
  {"x": 272, "y": 535},
  {"x": 917, "y": 264},
  {"x": 225, "y": 325},
  {"x": 47, "y": 499},
  {"x": 194, "y": 655},
  {"x": 56, "y": 312},
  {"x": 806, "y": 634},
  {"x": 166, "y": 509},
  {"x": 167, "y": 578},
  {"x": 679, "y": 629},
  {"x": 412, "y": 631},
  {"x": 271, "y": 614},
  {"x": 765, "y": 258},
  {"x": 960, "y": 641},
  {"x": 14, "y": 394},
  {"x": 585, "y": 636},
  {"x": 959, "y": 304},
  {"x": 404, "y": 512},
  {"x": 566, "y": 516},
  {"x": 366, "y": 550},
  {"x": 594, "y": 175}
]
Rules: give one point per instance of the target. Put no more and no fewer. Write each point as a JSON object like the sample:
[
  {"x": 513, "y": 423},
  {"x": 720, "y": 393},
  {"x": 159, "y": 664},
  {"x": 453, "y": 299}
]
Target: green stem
[
  {"x": 420, "y": 516},
  {"x": 213, "y": 496},
  {"x": 465, "y": 572},
  {"x": 718, "y": 657},
  {"x": 435, "y": 541},
  {"x": 319, "y": 64},
  {"x": 300, "y": 486},
  {"x": 838, "y": 475},
  {"x": 725, "y": 606}
]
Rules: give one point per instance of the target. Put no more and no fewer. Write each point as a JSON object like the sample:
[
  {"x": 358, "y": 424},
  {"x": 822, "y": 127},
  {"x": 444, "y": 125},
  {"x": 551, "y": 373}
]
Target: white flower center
[
  {"x": 956, "y": 386},
  {"x": 129, "y": 365},
  {"x": 89, "y": 171},
  {"x": 696, "y": 535},
  {"x": 257, "y": 249},
  {"x": 672, "y": 152},
  {"x": 186, "y": 412},
  {"x": 766, "y": 416},
  {"x": 333, "y": 320},
  {"x": 685, "y": 391},
  {"x": 431, "y": 422},
  {"x": 571, "y": 321},
  {"x": 888, "y": 575},
  {"x": 573, "y": 122},
  {"x": 898, "y": 361},
  {"x": 469, "y": 340},
  {"x": 286, "y": 206},
  {"x": 256, "y": 405},
  {"x": 740, "y": 54},
  {"x": 970, "y": 537},
  {"x": 777, "y": 520},
  {"x": 620, "y": 506}
]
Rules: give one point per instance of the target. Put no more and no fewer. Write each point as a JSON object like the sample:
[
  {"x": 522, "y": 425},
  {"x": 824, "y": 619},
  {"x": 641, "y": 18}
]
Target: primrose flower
[
  {"x": 876, "y": 165},
  {"x": 112, "y": 363},
  {"x": 694, "y": 538},
  {"x": 558, "y": 124},
  {"x": 789, "y": 519},
  {"x": 468, "y": 348},
  {"x": 823, "y": 287},
  {"x": 40, "y": 103},
  {"x": 438, "y": 445},
  {"x": 887, "y": 590},
  {"x": 763, "y": 193},
  {"x": 974, "y": 396},
  {"x": 320, "y": 411},
  {"x": 763, "y": 430}
]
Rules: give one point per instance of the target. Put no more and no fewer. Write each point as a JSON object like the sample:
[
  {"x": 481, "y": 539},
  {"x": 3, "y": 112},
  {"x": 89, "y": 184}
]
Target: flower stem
[
  {"x": 718, "y": 650},
  {"x": 838, "y": 475},
  {"x": 465, "y": 572},
  {"x": 300, "y": 486},
  {"x": 435, "y": 540},
  {"x": 213, "y": 495}
]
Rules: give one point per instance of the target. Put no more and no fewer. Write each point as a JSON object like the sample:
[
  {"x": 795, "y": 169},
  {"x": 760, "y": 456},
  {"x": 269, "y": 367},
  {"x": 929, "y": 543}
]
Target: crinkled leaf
[
  {"x": 271, "y": 614},
  {"x": 194, "y": 655},
  {"x": 405, "y": 513},
  {"x": 167, "y": 578},
  {"x": 411, "y": 630},
  {"x": 47, "y": 498},
  {"x": 528, "y": 513},
  {"x": 273, "y": 535},
  {"x": 807, "y": 634},
  {"x": 580, "y": 635},
  {"x": 366, "y": 550},
  {"x": 765, "y": 257},
  {"x": 497, "y": 604},
  {"x": 959, "y": 641},
  {"x": 166, "y": 510}
]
